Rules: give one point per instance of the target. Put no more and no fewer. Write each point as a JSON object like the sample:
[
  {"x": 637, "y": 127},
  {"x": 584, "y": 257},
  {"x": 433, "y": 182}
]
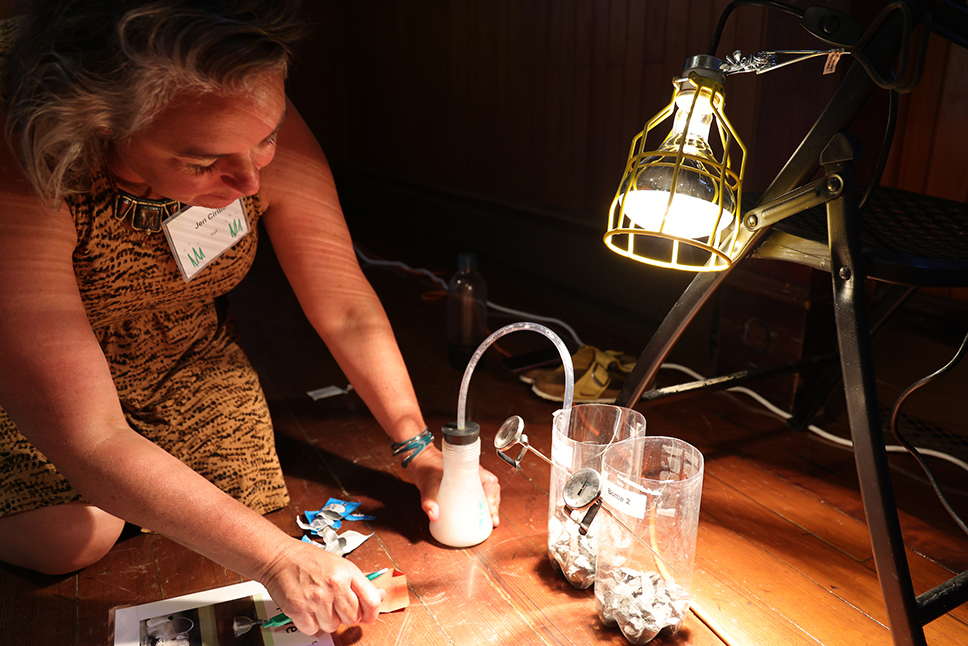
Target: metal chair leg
[
  {"x": 853, "y": 336},
  {"x": 671, "y": 328},
  {"x": 830, "y": 379}
]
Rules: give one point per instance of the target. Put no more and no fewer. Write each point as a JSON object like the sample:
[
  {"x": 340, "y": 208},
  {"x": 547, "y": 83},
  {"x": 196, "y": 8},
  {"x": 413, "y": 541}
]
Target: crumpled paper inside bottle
[
  {"x": 572, "y": 552},
  {"x": 643, "y": 604}
]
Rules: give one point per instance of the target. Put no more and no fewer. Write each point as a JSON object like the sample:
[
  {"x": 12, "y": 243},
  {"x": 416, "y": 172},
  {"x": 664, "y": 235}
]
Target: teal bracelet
[{"x": 415, "y": 445}]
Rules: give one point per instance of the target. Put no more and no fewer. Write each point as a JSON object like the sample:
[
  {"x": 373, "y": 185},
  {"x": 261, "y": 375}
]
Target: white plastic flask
[{"x": 464, "y": 518}]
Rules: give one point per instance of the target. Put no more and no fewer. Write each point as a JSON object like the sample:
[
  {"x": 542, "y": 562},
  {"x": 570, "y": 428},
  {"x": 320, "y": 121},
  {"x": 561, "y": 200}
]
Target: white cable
[
  {"x": 443, "y": 285},
  {"x": 891, "y": 448},
  {"x": 535, "y": 317},
  {"x": 399, "y": 265}
]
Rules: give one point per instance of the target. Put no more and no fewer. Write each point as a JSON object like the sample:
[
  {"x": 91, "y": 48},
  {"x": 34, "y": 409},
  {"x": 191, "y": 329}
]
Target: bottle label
[
  {"x": 561, "y": 454},
  {"x": 621, "y": 499}
]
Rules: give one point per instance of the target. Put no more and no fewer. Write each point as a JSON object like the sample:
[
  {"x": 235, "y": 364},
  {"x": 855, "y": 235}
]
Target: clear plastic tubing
[{"x": 507, "y": 329}]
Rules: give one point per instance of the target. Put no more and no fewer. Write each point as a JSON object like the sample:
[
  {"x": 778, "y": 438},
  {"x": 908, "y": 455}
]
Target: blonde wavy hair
[{"x": 84, "y": 72}]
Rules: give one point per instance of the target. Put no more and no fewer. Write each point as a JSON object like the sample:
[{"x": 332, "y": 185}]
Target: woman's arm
[
  {"x": 308, "y": 232},
  {"x": 56, "y": 386}
]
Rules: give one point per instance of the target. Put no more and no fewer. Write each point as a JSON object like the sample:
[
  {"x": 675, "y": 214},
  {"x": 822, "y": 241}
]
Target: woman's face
[{"x": 205, "y": 149}]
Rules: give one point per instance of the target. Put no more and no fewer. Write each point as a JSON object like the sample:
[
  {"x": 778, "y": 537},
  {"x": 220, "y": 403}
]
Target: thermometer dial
[
  {"x": 582, "y": 489},
  {"x": 509, "y": 433}
]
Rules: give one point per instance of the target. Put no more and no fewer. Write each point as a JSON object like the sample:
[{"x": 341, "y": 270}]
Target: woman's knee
[{"x": 59, "y": 539}]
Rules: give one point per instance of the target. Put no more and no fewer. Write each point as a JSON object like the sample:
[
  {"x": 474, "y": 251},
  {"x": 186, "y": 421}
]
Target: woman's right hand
[
  {"x": 319, "y": 590},
  {"x": 428, "y": 470}
]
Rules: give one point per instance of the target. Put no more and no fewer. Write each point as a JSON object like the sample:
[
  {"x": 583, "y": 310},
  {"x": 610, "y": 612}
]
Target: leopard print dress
[{"x": 183, "y": 380}]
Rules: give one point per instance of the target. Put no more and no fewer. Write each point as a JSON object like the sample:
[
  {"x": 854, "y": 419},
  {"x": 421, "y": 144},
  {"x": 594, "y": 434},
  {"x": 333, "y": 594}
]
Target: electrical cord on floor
[
  {"x": 903, "y": 447},
  {"x": 891, "y": 448},
  {"x": 394, "y": 264},
  {"x": 916, "y": 452},
  {"x": 443, "y": 285}
]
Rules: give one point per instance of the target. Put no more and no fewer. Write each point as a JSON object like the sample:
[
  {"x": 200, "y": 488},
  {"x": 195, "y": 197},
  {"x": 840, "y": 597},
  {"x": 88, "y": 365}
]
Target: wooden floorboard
[{"x": 783, "y": 555}]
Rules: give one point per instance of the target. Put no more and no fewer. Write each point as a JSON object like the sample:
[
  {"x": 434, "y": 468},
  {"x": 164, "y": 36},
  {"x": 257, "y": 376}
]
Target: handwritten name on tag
[
  {"x": 830, "y": 66},
  {"x": 198, "y": 235}
]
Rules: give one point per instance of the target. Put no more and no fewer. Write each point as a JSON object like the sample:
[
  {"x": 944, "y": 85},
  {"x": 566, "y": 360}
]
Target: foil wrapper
[
  {"x": 643, "y": 604},
  {"x": 573, "y": 553}
]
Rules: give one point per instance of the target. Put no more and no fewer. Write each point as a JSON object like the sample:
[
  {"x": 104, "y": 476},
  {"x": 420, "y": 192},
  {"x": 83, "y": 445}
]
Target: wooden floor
[{"x": 782, "y": 558}]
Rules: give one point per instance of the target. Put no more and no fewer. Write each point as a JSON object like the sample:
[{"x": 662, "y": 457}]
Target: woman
[{"x": 124, "y": 394}]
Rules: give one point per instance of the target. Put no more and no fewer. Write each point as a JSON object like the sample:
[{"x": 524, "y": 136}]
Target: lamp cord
[
  {"x": 879, "y": 170},
  {"x": 443, "y": 285},
  {"x": 903, "y": 58},
  {"x": 916, "y": 452},
  {"x": 896, "y": 80},
  {"x": 894, "y": 86},
  {"x": 895, "y": 415},
  {"x": 884, "y": 154},
  {"x": 905, "y": 445},
  {"x": 742, "y": 3}
]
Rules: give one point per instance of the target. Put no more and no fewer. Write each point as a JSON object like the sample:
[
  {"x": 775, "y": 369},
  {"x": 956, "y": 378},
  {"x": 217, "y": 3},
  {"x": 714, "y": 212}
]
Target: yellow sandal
[
  {"x": 581, "y": 361},
  {"x": 599, "y": 382}
]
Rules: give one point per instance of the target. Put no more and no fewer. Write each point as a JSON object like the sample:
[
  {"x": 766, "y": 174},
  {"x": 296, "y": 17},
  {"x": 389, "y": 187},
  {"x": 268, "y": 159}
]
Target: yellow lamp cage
[{"x": 679, "y": 206}]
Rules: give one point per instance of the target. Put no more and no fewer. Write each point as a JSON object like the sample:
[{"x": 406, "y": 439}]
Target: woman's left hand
[
  {"x": 312, "y": 242},
  {"x": 428, "y": 469}
]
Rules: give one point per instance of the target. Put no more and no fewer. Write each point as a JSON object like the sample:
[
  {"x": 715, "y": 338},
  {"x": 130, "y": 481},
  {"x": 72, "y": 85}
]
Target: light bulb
[
  {"x": 676, "y": 205},
  {"x": 695, "y": 203},
  {"x": 689, "y": 217}
]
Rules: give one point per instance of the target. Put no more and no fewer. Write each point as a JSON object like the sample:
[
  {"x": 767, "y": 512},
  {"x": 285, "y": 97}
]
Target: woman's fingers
[
  {"x": 359, "y": 604},
  {"x": 320, "y": 591},
  {"x": 369, "y": 598},
  {"x": 492, "y": 491},
  {"x": 428, "y": 469}
]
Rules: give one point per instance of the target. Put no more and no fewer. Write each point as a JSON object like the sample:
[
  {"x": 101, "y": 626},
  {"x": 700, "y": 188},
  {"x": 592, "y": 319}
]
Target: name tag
[{"x": 198, "y": 235}]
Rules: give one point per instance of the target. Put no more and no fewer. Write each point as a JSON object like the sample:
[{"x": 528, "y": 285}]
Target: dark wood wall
[
  {"x": 929, "y": 153},
  {"x": 538, "y": 100},
  {"x": 534, "y": 101},
  {"x": 930, "y": 145},
  {"x": 532, "y": 104}
]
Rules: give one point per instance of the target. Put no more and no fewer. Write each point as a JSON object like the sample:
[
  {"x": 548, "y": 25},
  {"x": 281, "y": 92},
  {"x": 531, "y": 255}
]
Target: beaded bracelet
[{"x": 415, "y": 444}]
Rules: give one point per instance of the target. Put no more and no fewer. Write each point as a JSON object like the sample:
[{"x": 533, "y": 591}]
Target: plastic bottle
[
  {"x": 464, "y": 517},
  {"x": 466, "y": 311}
]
